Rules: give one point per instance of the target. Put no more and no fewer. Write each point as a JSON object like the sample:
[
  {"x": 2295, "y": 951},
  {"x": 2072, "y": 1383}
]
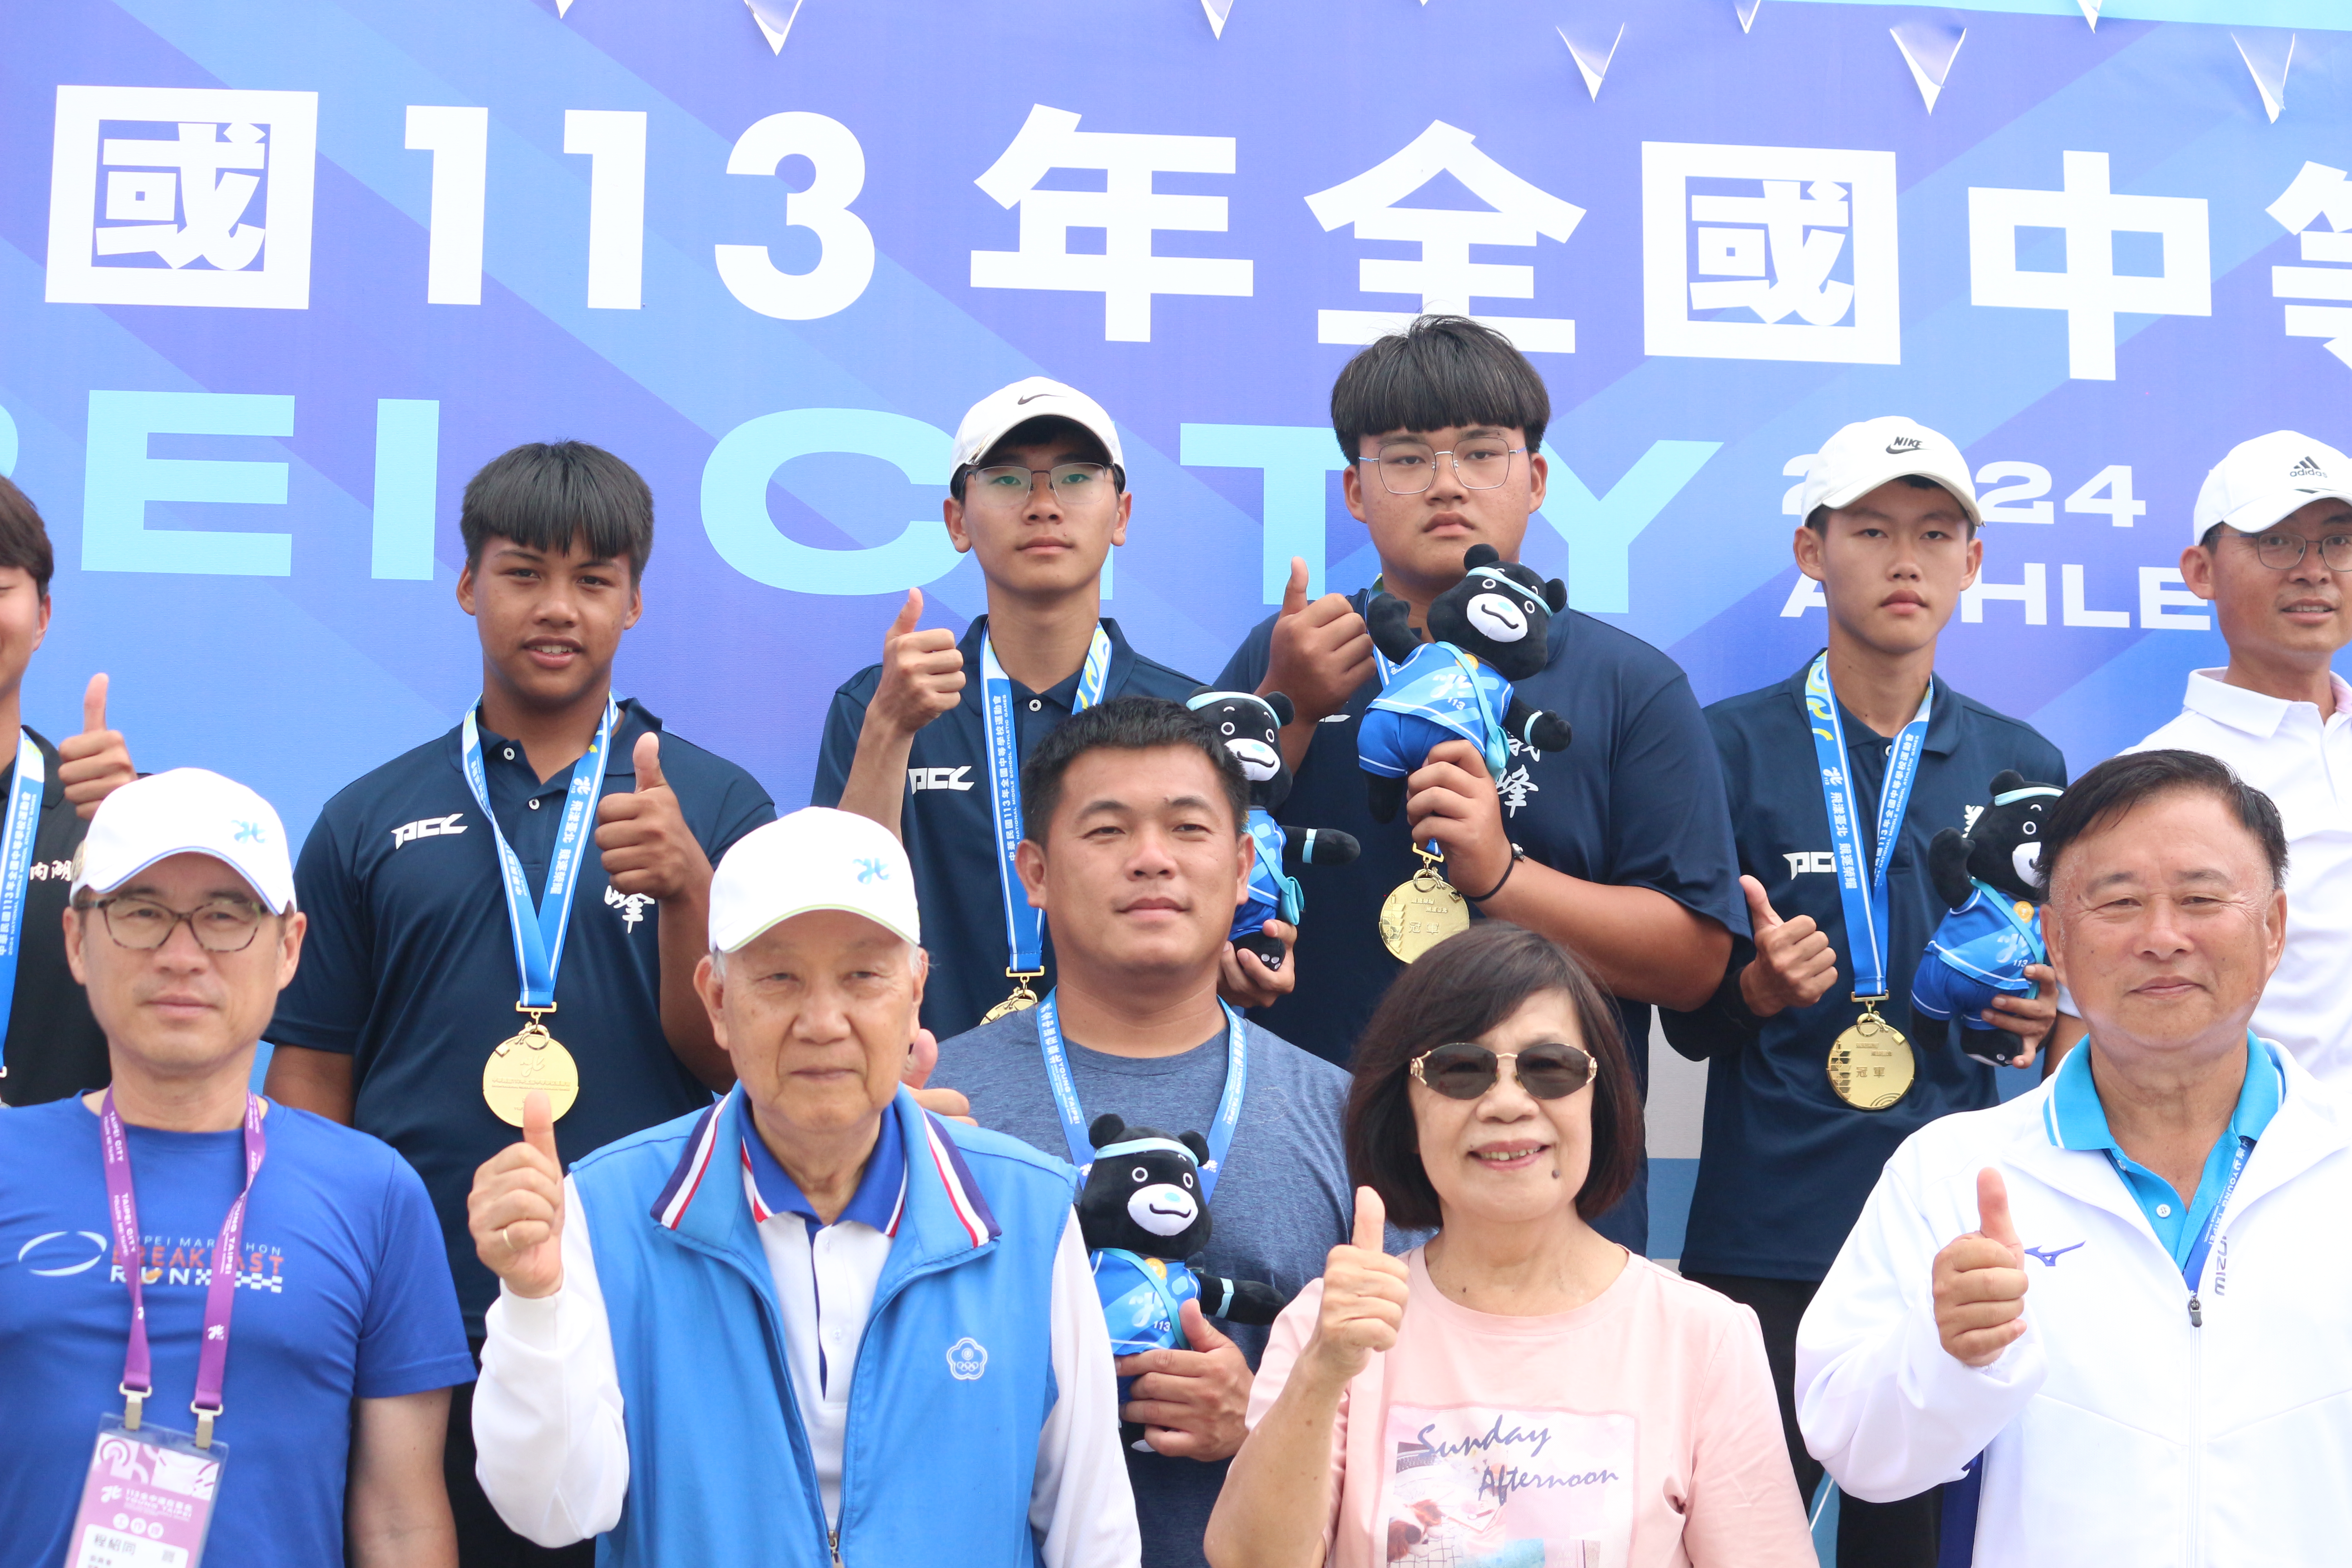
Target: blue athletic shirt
[
  {"x": 1784, "y": 1164},
  {"x": 409, "y": 969},
  {"x": 343, "y": 1295},
  {"x": 948, "y": 825},
  {"x": 1634, "y": 802}
]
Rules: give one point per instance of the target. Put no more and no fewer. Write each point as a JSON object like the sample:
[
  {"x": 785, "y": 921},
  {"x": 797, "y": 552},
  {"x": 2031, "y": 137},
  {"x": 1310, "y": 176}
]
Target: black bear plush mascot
[
  {"x": 1251, "y": 728},
  {"x": 1991, "y": 877},
  {"x": 1487, "y": 631}
]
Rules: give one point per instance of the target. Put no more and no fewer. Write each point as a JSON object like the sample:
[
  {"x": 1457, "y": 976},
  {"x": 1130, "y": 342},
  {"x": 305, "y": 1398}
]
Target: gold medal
[
  {"x": 1871, "y": 1065},
  {"x": 1423, "y": 911},
  {"x": 522, "y": 1062},
  {"x": 1022, "y": 999}
]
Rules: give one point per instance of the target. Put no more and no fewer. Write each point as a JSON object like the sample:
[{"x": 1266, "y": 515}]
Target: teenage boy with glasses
[
  {"x": 2273, "y": 551},
  {"x": 929, "y": 743},
  {"x": 1618, "y": 848},
  {"x": 1810, "y": 1088}
]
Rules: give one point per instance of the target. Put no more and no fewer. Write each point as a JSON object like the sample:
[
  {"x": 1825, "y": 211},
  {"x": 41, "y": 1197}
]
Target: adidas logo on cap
[{"x": 2307, "y": 470}]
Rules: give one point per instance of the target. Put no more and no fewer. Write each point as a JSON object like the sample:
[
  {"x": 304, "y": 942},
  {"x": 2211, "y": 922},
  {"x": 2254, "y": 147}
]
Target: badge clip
[
  {"x": 132, "y": 1398},
  {"x": 204, "y": 1422}
]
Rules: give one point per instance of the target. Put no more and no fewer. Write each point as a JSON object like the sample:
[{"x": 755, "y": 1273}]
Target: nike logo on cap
[
  {"x": 1031, "y": 398},
  {"x": 1901, "y": 444}
]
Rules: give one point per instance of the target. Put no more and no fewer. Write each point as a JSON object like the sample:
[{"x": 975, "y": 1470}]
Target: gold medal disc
[
  {"x": 1871, "y": 1065},
  {"x": 532, "y": 1059},
  {"x": 1022, "y": 999},
  {"x": 1422, "y": 912}
]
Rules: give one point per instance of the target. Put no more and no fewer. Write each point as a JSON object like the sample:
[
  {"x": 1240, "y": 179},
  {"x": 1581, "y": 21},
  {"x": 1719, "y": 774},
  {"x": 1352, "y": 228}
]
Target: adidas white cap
[
  {"x": 996, "y": 416},
  {"x": 1872, "y": 452},
  {"x": 187, "y": 811},
  {"x": 2269, "y": 477},
  {"x": 815, "y": 858}
]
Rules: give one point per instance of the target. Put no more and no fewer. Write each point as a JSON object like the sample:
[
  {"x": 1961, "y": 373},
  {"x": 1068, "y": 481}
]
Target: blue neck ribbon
[
  {"x": 15, "y": 872},
  {"x": 1024, "y": 927},
  {"x": 1074, "y": 1116},
  {"x": 1862, "y": 891},
  {"x": 538, "y": 926}
]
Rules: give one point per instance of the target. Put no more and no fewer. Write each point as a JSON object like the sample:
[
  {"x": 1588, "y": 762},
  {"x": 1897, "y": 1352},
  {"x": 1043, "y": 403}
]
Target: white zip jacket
[{"x": 2114, "y": 1430}]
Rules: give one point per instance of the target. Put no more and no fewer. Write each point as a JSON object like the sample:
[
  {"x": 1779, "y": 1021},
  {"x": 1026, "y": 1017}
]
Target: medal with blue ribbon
[
  {"x": 1024, "y": 927},
  {"x": 1074, "y": 1116},
  {"x": 1871, "y": 1065},
  {"x": 15, "y": 872},
  {"x": 532, "y": 1059},
  {"x": 1426, "y": 909}
]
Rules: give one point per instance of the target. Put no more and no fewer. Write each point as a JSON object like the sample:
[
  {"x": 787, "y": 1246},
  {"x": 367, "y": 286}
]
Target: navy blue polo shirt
[
  {"x": 1634, "y": 802},
  {"x": 1784, "y": 1164},
  {"x": 409, "y": 966},
  {"x": 949, "y": 825}
]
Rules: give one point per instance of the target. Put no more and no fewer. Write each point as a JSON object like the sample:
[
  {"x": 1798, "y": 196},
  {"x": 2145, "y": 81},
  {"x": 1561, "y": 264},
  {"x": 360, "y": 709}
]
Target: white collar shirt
[{"x": 2304, "y": 763}]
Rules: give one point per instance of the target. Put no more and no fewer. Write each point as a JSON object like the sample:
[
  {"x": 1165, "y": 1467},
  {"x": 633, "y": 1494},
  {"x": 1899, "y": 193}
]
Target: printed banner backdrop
[{"x": 276, "y": 276}]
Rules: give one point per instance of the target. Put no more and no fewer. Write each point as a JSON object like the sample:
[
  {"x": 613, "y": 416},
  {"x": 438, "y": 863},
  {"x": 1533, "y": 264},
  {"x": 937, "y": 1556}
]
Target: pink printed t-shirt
[{"x": 1637, "y": 1431}]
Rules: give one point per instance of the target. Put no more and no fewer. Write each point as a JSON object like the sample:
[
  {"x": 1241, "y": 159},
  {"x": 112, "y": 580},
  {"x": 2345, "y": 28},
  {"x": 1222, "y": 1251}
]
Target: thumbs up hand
[
  {"x": 94, "y": 763},
  {"x": 1320, "y": 653},
  {"x": 1793, "y": 966},
  {"x": 922, "y": 672},
  {"x": 515, "y": 1212},
  {"x": 1363, "y": 1298},
  {"x": 1979, "y": 1281},
  {"x": 647, "y": 846}
]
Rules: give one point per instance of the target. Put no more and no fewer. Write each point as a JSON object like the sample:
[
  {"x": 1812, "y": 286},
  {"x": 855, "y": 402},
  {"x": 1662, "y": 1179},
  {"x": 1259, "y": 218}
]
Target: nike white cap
[
  {"x": 2269, "y": 477},
  {"x": 187, "y": 811},
  {"x": 815, "y": 858},
  {"x": 1873, "y": 452},
  {"x": 995, "y": 416}
]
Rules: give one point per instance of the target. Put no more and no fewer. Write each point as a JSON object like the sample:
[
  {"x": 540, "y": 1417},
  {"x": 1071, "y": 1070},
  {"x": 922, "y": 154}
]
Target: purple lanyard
[{"x": 220, "y": 1299}]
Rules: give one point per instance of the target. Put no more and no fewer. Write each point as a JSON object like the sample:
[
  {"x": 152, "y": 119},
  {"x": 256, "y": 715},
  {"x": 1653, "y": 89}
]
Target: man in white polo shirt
[{"x": 2273, "y": 551}]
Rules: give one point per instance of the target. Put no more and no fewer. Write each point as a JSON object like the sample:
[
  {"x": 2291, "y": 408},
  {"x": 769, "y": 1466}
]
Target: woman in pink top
[{"x": 1519, "y": 1392}]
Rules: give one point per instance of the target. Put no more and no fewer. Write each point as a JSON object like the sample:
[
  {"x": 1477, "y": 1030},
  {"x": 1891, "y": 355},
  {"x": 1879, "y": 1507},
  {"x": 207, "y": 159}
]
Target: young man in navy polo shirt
[
  {"x": 1039, "y": 494},
  {"x": 413, "y": 972},
  {"x": 1789, "y": 1155},
  {"x": 1617, "y": 848}
]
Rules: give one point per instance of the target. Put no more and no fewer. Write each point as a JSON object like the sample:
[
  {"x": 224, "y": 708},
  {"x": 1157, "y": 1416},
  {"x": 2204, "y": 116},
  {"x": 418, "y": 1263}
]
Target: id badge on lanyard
[{"x": 147, "y": 1502}]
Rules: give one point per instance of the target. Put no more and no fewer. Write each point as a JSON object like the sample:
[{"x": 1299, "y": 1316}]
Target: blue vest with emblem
[
  {"x": 953, "y": 1381},
  {"x": 1274, "y": 893},
  {"x": 1978, "y": 952}
]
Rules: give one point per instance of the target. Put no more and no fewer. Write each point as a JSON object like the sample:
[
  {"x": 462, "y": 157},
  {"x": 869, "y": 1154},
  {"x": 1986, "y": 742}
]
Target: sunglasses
[{"x": 1461, "y": 1069}]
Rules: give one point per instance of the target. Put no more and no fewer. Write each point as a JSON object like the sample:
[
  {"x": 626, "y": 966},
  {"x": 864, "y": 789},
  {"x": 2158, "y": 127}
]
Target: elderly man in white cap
[
  {"x": 249, "y": 1277},
  {"x": 812, "y": 1325},
  {"x": 929, "y": 743},
  {"x": 2271, "y": 545}
]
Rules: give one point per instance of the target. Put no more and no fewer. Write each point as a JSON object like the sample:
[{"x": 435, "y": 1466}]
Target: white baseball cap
[
  {"x": 187, "y": 811},
  {"x": 1873, "y": 452},
  {"x": 2269, "y": 477},
  {"x": 996, "y": 416},
  {"x": 815, "y": 858}
]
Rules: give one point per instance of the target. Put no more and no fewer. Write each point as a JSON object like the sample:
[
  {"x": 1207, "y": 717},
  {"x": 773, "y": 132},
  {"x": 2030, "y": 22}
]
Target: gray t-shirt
[{"x": 1282, "y": 1198}]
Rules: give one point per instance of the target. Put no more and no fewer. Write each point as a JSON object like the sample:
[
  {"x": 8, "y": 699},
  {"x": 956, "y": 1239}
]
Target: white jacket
[{"x": 2114, "y": 1431}]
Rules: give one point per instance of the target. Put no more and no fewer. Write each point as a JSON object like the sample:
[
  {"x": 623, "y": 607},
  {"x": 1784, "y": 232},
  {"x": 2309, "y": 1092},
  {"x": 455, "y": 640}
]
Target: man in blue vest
[{"x": 944, "y": 1389}]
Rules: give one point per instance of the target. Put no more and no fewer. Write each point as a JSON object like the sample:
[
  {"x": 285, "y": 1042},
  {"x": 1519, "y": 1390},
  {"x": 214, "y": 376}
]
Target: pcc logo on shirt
[
  {"x": 427, "y": 827},
  {"x": 1801, "y": 861},
  {"x": 921, "y": 779}
]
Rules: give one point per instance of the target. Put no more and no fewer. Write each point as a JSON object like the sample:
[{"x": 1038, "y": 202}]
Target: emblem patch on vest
[{"x": 967, "y": 1359}]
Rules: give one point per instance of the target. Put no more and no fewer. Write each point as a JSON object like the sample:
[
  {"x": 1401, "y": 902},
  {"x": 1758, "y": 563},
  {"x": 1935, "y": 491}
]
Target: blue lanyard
[
  {"x": 1495, "y": 750},
  {"x": 539, "y": 927},
  {"x": 1862, "y": 891},
  {"x": 2192, "y": 1267},
  {"x": 15, "y": 872},
  {"x": 1024, "y": 927},
  {"x": 1074, "y": 1118}
]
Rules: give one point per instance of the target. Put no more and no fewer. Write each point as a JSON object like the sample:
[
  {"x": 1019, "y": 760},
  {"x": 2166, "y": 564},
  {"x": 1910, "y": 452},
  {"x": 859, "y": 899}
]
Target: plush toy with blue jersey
[
  {"x": 1251, "y": 728},
  {"x": 1992, "y": 879},
  {"x": 1487, "y": 631},
  {"x": 1142, "y": 1214}
]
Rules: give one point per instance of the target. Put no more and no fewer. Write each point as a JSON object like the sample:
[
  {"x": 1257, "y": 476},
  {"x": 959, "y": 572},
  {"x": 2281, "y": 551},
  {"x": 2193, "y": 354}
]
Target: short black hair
[
  {"x": 543, "y": 495},
  {"x": 1457, "y": 991},
  {"x": 1124, "y": 724},
  {"x": 1818, "y": 519},
  {"x": 1441, "y": 372},
  {"x": 1042, "y": 431},
  {"x": 2108, "y": 791},
  {"x": 24, "y": 538}
]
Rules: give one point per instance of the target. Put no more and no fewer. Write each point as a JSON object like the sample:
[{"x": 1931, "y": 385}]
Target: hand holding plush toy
[
  {"x": 1991, "y": 877},
  {"x": 1251, "y": 728},
  {"x": 1487, "y": 631},
  {"x": 1142, "y": 1213}
]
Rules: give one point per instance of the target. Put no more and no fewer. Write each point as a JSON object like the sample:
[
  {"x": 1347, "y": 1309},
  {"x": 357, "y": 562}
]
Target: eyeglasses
[
  {"x": 1409, "y": 470},
  {"x": 219, "y": 925},
  {"x": 1462, "y": 1070},
  {"x": 1072, "y": 485},
  {"x": 2284, "y": 551}
]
